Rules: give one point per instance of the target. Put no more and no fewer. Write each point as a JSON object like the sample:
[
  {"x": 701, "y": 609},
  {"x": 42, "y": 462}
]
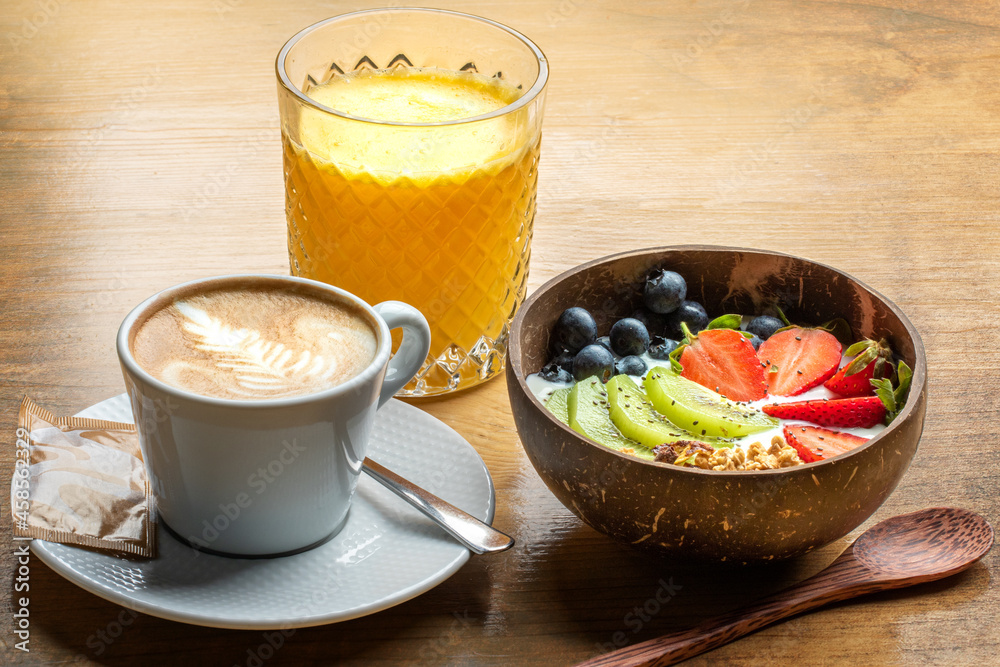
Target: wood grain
[
  {"x": 904, "y": 550},
  {"x": 139, "y": 148}
]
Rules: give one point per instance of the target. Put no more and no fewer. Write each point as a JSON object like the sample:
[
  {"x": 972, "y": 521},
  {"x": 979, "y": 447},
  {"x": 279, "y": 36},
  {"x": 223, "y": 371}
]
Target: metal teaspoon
[{"x": 479, "y": 537}]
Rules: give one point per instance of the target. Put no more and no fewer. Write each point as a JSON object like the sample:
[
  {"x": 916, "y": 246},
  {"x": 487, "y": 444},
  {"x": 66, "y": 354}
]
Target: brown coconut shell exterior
[{"x": 742, "y": 517}]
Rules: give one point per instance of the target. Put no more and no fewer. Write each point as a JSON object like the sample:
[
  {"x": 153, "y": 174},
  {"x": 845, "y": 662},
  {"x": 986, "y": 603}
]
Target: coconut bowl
[{"x": 736, "y": 516}]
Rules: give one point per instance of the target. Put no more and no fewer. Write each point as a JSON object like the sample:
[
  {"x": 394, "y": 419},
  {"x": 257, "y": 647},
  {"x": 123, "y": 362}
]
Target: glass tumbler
[{"x": 435, "y": 214}]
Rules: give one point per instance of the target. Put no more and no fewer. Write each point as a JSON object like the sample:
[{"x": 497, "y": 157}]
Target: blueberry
[
  {"x": 630, "y": 365},
  {"x": 655, "y": 323},
  {"x": 691, "y": 312},
  {"x": 755, "y": 340},
  {"x": 629, "y": 336},
  {"x": 593, "y": 360},
  {"x": 553, "y": 372},
  {"x": 664, "y": 291},
  {"x": 564, "y": 360},
  {"x": 764, "y": 326},
  {"x": 605, "y": 341},
  {"x": 660, "y": 347},
  {"x": 574, "y": 330}
]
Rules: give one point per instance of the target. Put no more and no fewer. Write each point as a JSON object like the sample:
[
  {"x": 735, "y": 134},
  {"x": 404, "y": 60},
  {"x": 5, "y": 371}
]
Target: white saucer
[{"x": 386, "y": 554}]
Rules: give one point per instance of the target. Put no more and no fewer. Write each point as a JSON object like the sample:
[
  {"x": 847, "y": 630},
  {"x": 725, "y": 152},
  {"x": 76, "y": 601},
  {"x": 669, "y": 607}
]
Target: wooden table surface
[{"x": 139, "y": 147}]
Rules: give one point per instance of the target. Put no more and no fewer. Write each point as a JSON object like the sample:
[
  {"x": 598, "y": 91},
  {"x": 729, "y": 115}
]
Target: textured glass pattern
[{"x": 456, "y": 247}]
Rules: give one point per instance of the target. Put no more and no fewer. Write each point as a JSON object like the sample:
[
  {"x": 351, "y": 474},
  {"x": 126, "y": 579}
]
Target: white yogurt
[
  {"x": 816, "y": 393},
  {"x": 543, "y": 388}
]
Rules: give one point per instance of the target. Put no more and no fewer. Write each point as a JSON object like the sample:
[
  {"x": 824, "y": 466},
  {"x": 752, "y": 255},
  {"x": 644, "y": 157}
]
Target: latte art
[
  {"x": 257, "y": 365},
  {"x": 254, "y": 343}
]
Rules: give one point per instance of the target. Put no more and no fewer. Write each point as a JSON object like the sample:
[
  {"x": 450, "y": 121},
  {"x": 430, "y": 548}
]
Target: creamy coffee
[{"x": 252, "y": 341}]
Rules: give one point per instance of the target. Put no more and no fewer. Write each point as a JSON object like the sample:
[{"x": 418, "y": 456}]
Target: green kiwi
[
  {"x": 556, "y": 404},
  {"x": 588, "y": 415},
  {"x": 636, "y": 418},
  {"x": 700, "y": 410}
]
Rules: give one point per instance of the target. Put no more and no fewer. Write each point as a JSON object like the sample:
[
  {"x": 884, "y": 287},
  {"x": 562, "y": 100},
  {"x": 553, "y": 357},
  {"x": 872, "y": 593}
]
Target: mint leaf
[
  {"x": 726, "y": 322},
  {"x": 674, "y": 358},
  {"x": 894, "y": 398},
  {"x": 905, "y": 377},
  {"x": 883, "y": 389},
  {"x": 840, "y": 329},
  {"x": 856, "y": 349},
  {"x": 861, "y": 361}
]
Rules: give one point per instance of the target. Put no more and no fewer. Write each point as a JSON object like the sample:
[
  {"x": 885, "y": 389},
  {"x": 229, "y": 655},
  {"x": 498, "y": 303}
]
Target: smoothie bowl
[{"x": 744, "y": 510}]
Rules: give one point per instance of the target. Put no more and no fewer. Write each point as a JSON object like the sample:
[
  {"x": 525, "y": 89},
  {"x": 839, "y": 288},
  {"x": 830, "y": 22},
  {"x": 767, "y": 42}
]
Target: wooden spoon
[{"x": 907, "y": 549}]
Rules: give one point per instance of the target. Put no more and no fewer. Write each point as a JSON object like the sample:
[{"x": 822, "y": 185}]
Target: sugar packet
[{"x": 81, "y": 481}]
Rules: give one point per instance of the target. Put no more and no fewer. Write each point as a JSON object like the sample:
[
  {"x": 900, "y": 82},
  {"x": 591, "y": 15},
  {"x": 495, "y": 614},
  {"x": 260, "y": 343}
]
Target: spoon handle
[
  {"x": 843, "y": 579},
  {"x": 479, "y": 537}
]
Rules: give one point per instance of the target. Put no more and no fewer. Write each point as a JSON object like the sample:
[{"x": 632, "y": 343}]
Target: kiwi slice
[
  {"x": 700, "y": 410},
  {"x": 556, "y": 404},
  {"x": 588, "y": 415},
  {"x": 636, "y": 418}
]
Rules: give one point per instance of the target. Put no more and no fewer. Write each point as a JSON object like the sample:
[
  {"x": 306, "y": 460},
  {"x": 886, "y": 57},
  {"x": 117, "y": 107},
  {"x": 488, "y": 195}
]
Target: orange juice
[{"x": 439, "y": 216}]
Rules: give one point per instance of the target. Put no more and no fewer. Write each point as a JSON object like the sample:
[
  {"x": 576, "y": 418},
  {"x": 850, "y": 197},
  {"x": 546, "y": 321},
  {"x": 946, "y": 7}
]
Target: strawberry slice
[
  {"x": 815, "y": 444},
  {"x": 859, "y": 411},
  {"x": 798, "y": 359},
  {"x": 872, "y": 361},
  {"x": 724, "y": 361}
]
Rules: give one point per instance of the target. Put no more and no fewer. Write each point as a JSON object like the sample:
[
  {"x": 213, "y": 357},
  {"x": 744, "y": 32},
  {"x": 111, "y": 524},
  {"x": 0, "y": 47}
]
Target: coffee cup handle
[{"x": 412, "y": 351}]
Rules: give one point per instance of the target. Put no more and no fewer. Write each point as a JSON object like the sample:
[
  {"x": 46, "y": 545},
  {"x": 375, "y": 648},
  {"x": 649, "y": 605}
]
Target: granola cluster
[{"x": 756, "y": 457}]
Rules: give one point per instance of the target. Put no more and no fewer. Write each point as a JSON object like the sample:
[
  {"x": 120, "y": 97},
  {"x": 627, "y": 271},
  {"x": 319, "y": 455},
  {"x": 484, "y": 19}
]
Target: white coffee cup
[{"x": 264, "y": 477}]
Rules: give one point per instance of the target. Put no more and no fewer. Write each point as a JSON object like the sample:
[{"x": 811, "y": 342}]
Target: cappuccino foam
[{"x": 254, "y": 342}]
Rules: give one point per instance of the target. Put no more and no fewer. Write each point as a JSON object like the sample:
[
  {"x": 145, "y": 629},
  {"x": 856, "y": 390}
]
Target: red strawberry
[
  {"x": 860, "y": 411},
  {"x": 815, "y": 444},
  {"x": 798, "y": 359},
  {"x": 871, "y": 361},
  {"x": 724, "y": 361}
]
